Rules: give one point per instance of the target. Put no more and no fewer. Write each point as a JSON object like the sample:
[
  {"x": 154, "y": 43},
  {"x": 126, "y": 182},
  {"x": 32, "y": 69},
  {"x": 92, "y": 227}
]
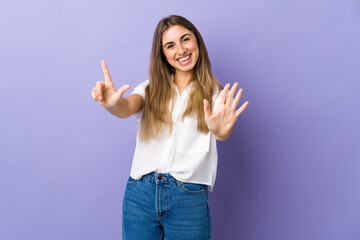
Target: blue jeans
[{"x": 158, "y": 206}]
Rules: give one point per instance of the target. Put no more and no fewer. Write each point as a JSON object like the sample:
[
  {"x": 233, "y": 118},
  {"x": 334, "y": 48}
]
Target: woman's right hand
[{"x": 105, "y": 92}]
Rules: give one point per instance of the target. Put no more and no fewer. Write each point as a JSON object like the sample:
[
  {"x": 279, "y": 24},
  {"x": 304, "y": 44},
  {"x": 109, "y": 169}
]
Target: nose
[{"x": 181, "y": 50}]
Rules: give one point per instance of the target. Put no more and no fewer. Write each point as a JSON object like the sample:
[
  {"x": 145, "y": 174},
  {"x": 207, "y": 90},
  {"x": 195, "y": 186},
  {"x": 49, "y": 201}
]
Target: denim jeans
[{"x": 158, "y": 206}]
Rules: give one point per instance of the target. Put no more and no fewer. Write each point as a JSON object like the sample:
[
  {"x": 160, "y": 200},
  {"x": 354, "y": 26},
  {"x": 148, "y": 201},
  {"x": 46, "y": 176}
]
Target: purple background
[{"x": 291, "y": 170}]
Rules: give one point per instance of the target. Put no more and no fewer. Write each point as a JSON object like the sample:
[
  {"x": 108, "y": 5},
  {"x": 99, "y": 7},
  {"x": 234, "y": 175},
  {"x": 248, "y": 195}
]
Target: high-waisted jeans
[{"x": 158, "y": 206}]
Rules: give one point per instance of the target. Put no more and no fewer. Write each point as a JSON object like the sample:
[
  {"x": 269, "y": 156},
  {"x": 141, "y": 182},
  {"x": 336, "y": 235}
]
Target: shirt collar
[{"x": 188, "y": 88}]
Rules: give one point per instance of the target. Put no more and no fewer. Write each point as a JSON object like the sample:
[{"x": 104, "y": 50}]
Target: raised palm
[{"x": 221, "y": 121}]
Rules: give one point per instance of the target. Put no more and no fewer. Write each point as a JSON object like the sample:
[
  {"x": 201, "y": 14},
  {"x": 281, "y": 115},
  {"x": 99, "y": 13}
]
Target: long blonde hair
[{"x": 161, "y": 90}]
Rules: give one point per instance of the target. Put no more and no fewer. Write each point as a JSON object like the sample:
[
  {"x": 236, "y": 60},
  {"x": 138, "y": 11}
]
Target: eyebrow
[{"x": 186, "y": 34}]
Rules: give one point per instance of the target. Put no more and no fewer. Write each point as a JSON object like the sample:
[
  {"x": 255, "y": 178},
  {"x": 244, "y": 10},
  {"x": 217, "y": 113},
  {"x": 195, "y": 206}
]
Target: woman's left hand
[{"x": 221, "y": 122}]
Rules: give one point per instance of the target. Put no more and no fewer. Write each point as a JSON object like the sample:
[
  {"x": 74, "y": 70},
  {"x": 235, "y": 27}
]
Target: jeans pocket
[
  {"x": 131, "y": 180},
  {"x": 193, "y": 188}
]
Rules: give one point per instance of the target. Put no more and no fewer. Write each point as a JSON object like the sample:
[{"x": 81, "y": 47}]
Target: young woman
[{"x": 182, "y": 110}]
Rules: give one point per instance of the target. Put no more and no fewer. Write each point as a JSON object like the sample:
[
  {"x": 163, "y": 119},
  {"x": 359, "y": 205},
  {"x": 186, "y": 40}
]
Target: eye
[
  {"x": 170, "y": 46},
  {"x": 186, "y": 39}
]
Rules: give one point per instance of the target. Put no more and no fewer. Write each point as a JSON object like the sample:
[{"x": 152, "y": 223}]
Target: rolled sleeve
[{"x": 140, "y": 89}]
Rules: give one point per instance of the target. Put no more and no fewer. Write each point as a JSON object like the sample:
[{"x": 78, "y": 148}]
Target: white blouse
[{"x": 188, "y": 155}]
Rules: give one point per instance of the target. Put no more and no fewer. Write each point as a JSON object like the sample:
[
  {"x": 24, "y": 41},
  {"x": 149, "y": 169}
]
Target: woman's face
[{"x": 180, "y": 48}]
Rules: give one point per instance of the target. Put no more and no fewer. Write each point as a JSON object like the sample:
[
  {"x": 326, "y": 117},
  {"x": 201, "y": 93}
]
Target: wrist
[
  {"x": 223, "y": 136},
  {"x": 118, "y": 109}
]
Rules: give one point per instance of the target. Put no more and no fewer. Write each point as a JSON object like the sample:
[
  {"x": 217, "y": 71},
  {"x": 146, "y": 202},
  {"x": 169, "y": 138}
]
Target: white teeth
[{"x": 184, "y": 58}]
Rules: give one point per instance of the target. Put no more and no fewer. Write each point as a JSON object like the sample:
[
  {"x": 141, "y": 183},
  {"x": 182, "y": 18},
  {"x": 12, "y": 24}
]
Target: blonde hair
[{"x": 161, "y": 90}]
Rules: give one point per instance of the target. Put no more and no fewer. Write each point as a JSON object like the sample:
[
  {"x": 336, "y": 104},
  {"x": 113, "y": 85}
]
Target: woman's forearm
[{"x": 127, "y": 107}]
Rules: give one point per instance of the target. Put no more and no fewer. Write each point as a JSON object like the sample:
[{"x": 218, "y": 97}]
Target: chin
[{"x": 186, "y": 69}]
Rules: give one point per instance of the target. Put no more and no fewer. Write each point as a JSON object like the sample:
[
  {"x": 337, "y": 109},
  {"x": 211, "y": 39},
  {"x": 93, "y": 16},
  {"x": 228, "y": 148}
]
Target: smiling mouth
[{"x": 184, "y": 60}]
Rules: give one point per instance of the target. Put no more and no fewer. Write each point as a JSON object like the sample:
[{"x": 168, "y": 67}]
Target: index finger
[
  {"x": 106, "y": 73},
  {"x": 224, "y": 93}
]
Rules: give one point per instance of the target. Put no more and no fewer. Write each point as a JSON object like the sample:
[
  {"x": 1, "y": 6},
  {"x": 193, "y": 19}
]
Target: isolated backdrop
[{"x": 291, "y": 169}]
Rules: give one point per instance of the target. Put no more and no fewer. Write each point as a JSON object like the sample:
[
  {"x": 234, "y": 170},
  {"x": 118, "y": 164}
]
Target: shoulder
[
  {"x": 216, "y": 97},
  {"x": 143, "y": 84},
  {"x": 217, "y": 90},
  {"x": 140, "y": 89}
]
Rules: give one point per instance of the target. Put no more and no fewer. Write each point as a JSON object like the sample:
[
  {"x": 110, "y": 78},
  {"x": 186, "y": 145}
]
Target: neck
[{"x": 183, "y": 79}]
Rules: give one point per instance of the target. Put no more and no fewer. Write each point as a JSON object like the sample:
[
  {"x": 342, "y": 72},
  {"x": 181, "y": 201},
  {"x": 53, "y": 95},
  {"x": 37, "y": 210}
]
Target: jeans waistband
[{"x": 160, "y": 177}]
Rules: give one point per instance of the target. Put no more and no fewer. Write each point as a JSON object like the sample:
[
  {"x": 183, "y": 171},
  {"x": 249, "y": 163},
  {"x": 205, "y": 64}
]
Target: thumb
[
  {"x": 121, "y": 90},
  {"x": 206, "y": 108}
]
